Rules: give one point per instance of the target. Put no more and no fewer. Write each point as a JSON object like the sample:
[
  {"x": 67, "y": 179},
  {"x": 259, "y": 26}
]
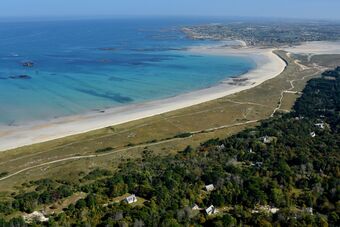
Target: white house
[
  {"x": 258, "y": 164},
  {"x": 266, "y": 209},
  {"x": 221, "y": 147},
  {"x": 211, "y": 210},
  {"x": 309, "y": 210},
  {"x": 273, "y": 210},
  {"x": 266, "y": 139},
  {"x": 320, "y": 125},
  {"x": 195, "y": 207},
  {"x": 251, "y": 151},
  {"x": 209, "y": 187},
  {"x": 131, "y": 199},
  {"x": 35, "y": 216}
]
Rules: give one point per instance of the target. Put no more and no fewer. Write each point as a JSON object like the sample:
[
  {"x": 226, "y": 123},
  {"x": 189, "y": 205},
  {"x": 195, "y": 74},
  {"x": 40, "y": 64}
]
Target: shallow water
[{"x": 81, "y": 66}]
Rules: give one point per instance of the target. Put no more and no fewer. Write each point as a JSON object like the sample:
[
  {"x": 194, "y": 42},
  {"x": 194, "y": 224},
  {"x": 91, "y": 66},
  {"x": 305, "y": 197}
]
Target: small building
[
  {"x": 258, "y": 164},
  {"x": 221, "y": 147},
  {"x": 35, "y": 216},
  {"x": 195, "y": 207},
  {"x": 273, "y": 210},
  {"x": 312, "y": 134},
  {"x": 265, "y": 209},
  {"x": 299, "y": 118},
  {"x": 211, "y": 210},
  {"x": 209, "y": 187},
  {"x": 266, "y": 139},
  {"x": 131, "y": 199},
  {"x": 320, "y": 125},
  {"x": 309, "y": 210}
]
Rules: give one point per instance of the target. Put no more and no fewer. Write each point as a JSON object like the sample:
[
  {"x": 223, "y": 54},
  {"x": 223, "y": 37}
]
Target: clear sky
[{"x": 326, "y": 9}]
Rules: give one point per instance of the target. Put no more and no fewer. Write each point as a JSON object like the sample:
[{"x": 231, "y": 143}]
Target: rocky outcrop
[
  {"x": 20, "y": 77},
  {"x": 28, "y": 64}
]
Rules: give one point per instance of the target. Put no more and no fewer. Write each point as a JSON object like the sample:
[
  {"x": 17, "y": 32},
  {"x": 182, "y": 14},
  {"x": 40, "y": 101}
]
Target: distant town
[{"x": 266, "y": 33}]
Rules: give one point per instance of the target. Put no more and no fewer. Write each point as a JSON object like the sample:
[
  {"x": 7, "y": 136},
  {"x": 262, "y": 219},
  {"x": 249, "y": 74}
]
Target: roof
[
  {"x": 195, "y": 207},
  {"x": 266, "y": 139},
  {"x": 209, "y": 187},
  {"x": 211, "y": 210},
  {"x": 36, "y": 215},
  {"x": 131, "y": 199}
]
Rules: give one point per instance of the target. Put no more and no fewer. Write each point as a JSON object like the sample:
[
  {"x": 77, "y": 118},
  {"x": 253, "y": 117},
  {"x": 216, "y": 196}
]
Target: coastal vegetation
[{"x": 284, "y": 172}]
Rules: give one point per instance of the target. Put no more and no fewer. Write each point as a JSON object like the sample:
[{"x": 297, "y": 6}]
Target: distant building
[
  {"x": 209, "y": 187},
  {"x": 131, "y": 199},
  {"x": 35, "y": 216},
  {"x": 266, "y": 139},
  {"x": 309, "y": 210},
  {"x": 312, "y": 134},
  {"x": 265, "y": 209},
  {"x": 320, "y": 125},
  {"x": 195, "y": 207},
  {"x": 273, "y": 210},
  {"x": 299, "y": 118},
  {"x": 251, "y": 151},
  {"x": 211, "y": 210},
  {"x": 258, "y": 164},
  {"x": 221, "y": 147}
]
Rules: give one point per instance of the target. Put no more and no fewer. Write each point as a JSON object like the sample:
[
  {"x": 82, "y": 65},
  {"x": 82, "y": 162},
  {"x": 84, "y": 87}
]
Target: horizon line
[{"x": 126, "y": 16}]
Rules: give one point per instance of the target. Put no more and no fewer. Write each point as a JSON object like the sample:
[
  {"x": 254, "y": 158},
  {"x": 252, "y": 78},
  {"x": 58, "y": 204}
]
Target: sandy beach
[
  {"x": 268, "y": 64},
  {"x": 313, "y": 48}
]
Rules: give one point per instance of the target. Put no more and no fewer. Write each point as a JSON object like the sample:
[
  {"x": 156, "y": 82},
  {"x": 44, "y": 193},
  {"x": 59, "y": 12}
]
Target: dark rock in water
[
  {"x": 20, "y": 77},
  {"x": 28, "y": 64},
  {"x": 107, "y": 49},
  {"x": 116, "y": 97},
  {"x": 113, "y": 78},
  {"x": 158, "y": 49},
  {"x": 240, "y": 79},
  {"x": 104, "y": 61}
]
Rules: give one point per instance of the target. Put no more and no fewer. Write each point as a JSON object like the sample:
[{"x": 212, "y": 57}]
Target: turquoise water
[{"x": 81, "y": 66}]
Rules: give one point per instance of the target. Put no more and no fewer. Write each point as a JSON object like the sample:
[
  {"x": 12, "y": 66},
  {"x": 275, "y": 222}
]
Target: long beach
[{"x": 269, "y": 65}]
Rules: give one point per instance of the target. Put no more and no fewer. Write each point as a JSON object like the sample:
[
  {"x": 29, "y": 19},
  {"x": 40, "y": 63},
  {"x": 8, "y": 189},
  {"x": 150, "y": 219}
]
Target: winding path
[
  {"x": 125, "y": 149},
  {"x": 86, "y": 157},
  {"x": 289, "y": 90}
]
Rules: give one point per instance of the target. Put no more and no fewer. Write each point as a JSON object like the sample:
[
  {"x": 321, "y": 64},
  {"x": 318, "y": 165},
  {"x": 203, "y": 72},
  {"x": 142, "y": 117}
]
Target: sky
[{"x": 307, "y": 9}]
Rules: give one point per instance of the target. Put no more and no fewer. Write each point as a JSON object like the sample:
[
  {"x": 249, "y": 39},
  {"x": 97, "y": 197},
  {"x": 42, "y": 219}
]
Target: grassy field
[
  {"x": 331, "y": 60},
  {"x": 70, "y": 157}
]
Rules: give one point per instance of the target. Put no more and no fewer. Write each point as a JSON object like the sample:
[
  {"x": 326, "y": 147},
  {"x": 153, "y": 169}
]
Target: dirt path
[
  {"x": 87, "y": 157},
  {"x": 124, "y": 149},
  {"x": 292, "y": 86}
]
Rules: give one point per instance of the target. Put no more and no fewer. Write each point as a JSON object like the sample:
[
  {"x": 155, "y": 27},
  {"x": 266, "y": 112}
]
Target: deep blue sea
[{"x": 84, "y": 65}]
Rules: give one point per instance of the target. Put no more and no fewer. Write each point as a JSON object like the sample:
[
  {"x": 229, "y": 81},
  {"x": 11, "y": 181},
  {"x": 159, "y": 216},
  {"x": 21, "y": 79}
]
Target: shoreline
[{"x": 268, "y": 65}]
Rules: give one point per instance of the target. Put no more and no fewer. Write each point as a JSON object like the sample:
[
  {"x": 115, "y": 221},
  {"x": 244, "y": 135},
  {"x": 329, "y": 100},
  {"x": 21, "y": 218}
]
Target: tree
[
  {"x": 90, "y": 201},
  {"x": 81, "y": 203}
]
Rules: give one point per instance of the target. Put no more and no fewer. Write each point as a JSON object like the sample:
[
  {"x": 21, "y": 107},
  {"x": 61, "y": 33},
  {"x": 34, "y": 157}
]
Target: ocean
[{"x": 51, "y": 69}]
